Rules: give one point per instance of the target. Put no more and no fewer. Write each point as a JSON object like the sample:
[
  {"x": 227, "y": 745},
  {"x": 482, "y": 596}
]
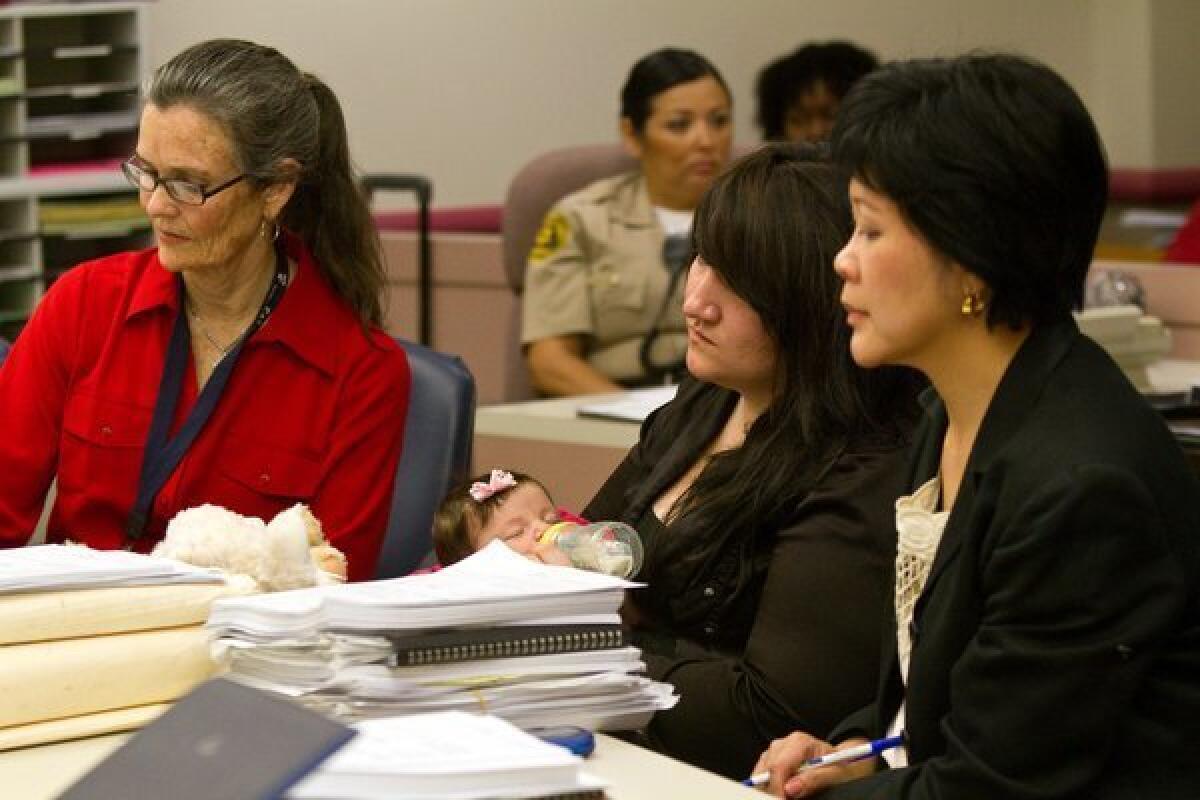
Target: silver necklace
[{"x": 220, "y": 348}]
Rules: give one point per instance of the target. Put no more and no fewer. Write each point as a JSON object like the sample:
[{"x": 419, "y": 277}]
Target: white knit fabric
[{"x": 920, "y": 530}]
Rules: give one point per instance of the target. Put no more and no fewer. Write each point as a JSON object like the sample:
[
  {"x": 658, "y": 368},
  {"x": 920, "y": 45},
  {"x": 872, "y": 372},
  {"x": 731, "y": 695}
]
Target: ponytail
[{"x": 330, "y": 214}]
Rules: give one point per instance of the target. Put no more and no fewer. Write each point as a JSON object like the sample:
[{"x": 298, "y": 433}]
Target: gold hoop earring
[{"x": 972, "y": 304}]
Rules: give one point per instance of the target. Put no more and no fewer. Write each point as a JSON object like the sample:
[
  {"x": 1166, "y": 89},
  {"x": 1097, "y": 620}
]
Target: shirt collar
[
  {"x": 632, "y": 204},
  {"x": 1021, "y": 388},
  {"x": 1019, "y": 391},
  {"x": 308, "y": 298},
  {"x": 305, "y": 316},
  {"x": 156, "y": 288}
]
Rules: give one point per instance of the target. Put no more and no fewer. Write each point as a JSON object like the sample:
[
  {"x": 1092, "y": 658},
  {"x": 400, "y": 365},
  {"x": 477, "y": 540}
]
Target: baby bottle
[{"x": 612, "y": 548}]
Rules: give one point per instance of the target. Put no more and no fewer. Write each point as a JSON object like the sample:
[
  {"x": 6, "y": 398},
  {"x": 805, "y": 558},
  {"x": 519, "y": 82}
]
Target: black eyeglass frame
[{"x": 134, "y": 172}]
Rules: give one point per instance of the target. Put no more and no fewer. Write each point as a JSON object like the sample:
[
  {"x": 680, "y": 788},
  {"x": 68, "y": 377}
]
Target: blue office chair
[{"x": 437, "y": 455}]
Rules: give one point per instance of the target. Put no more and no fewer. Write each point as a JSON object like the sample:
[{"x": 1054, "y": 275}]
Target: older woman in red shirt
[{"x": 239, "y": 362}]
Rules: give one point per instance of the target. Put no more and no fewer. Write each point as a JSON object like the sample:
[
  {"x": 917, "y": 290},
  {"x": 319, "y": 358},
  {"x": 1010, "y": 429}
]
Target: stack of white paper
[
  {"x": 445, "y": 756},
  {"x": 1133, "y": 339},
  {"x": 493, "y": 586},
  {"x": 52, "y": 567},
  {"x": 337, "y": 649},
  {"x": 632, "y": 406}
]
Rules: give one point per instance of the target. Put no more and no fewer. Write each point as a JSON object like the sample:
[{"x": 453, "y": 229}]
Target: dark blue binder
[{"x": 223, "y": 741}]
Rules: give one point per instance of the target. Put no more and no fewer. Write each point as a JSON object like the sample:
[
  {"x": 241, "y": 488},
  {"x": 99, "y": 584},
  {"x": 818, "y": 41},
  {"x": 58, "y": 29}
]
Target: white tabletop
[
  {"x": 556, "y": 420},
  {"x": 1173, "y": 375},
  {"x": 34, "y": 773}
]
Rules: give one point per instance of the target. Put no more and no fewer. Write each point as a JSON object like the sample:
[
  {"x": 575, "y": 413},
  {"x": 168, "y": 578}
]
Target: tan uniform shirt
[{"x": 596, "y": 270}]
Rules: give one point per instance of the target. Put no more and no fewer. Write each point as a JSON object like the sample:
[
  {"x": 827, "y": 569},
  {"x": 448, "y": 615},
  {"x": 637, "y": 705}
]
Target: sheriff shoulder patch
[{"x": 551, "y": 237}]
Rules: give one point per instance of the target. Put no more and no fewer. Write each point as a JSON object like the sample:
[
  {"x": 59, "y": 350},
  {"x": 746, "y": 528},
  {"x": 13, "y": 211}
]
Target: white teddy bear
[{"x": 289, "y": 552}]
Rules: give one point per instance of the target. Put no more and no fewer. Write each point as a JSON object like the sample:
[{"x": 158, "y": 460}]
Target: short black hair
[
  {"x": 657, "y": 72},
  {"x": 994, "y": 159},
  {"x": 838, "y": 64}
]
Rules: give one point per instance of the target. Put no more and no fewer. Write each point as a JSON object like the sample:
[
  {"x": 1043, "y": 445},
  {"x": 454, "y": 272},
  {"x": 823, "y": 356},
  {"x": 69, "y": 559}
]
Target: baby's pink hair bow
[{"x": 498, "y": 482}]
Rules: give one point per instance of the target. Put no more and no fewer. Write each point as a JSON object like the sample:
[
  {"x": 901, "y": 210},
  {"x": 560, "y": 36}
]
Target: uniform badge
[{"x": 551, "y": 237}]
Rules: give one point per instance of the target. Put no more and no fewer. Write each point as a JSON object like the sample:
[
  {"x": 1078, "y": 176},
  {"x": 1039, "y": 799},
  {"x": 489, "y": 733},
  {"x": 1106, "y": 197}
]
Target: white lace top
[{"x": 919, "y": 527}]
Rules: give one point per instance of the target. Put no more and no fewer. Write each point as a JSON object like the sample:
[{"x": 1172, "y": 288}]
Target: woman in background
[
  {"x": 240, "y": 361},
  {"x": 1045, "y": 641},
  {"x": 763, "y": 491},
  {"x": 603, "y": 282},
  {"x": 798, "y": 94}
]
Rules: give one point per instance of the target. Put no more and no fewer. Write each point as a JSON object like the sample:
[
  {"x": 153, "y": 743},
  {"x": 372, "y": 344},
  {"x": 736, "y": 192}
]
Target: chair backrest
[
  {"x": 543, "y": 182},
  {"x": 436, "y": 455}
]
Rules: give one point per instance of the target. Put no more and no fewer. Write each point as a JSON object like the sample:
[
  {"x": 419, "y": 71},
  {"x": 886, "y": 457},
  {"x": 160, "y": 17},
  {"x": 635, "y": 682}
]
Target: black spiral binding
[{"x": 507, "y": 643}]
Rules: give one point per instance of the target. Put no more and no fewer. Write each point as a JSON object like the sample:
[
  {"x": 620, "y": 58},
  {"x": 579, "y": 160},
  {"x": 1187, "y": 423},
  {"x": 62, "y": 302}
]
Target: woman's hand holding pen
[{"x": 784, "y": 758}]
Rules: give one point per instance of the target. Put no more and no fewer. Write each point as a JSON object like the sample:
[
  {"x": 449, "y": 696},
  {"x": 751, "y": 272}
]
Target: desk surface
[
  {"x": 1173, "y": 375},
  {"x": 556, "y": 420},
  {"x": 34, "y": 773}
]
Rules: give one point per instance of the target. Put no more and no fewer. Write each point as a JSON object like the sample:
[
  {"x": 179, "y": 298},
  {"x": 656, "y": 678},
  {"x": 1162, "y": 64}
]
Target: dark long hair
[
  {"x": 272, "y": 111},
  {"x": 770, "y": 227}
]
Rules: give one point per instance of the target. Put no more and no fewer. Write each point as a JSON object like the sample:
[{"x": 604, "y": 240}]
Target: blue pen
[{"x": 857, "y": 753}]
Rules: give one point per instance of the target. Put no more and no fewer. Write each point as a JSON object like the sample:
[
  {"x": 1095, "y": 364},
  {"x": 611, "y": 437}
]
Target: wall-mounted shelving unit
[{"x": 69, "y": 78}]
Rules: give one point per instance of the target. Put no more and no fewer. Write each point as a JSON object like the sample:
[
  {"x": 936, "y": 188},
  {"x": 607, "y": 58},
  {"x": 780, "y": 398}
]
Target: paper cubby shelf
[{"x": 69, "y": 77}]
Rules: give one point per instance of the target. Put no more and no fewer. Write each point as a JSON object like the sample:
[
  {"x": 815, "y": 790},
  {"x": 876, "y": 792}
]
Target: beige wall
[
  {"x": 1119, "y": 47},
  {"x": 466, "y": 91},
  {"x": 1175, "y": 56}
]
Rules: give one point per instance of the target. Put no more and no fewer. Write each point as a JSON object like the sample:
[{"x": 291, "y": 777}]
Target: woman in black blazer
[{"x": 1046, "y": 635}]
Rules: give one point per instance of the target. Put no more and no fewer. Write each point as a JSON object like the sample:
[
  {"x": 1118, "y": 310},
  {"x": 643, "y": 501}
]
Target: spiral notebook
[{"x": 446, "y": 647}]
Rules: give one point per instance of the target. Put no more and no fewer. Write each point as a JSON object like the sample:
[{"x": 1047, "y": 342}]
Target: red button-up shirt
[{"x": 313, "y": 412}]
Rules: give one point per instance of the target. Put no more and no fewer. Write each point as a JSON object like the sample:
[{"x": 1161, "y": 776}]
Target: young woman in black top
[{"x": 764, "y": 491}]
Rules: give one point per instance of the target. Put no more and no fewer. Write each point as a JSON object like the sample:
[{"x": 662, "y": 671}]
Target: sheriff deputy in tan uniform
[{"x": 597, "y": 279}]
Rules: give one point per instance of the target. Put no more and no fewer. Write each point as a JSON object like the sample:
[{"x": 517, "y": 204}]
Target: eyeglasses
[{"x": 189, "y": 193}]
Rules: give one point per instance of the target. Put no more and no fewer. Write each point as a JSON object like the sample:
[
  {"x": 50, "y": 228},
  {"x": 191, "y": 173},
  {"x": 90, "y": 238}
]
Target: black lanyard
[
  {"x": 677, "y": 257},
  {"x": 162, "y": 454}
]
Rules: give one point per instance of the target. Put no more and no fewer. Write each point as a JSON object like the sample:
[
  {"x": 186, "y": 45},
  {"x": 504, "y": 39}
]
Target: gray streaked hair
[{"x": 271, "y": 111}]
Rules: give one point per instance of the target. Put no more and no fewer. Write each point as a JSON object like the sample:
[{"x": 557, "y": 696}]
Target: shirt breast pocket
[
  {"x": 619, "y": 296},
  {"x": 617, "y": 288},
  {"x": 102, "y": 445},
  {"x": 263, "y": 479}
]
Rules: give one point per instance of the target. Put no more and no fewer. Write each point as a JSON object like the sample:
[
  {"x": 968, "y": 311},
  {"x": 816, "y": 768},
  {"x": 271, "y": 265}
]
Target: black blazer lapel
[{"x": 1019, "y": 391}]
